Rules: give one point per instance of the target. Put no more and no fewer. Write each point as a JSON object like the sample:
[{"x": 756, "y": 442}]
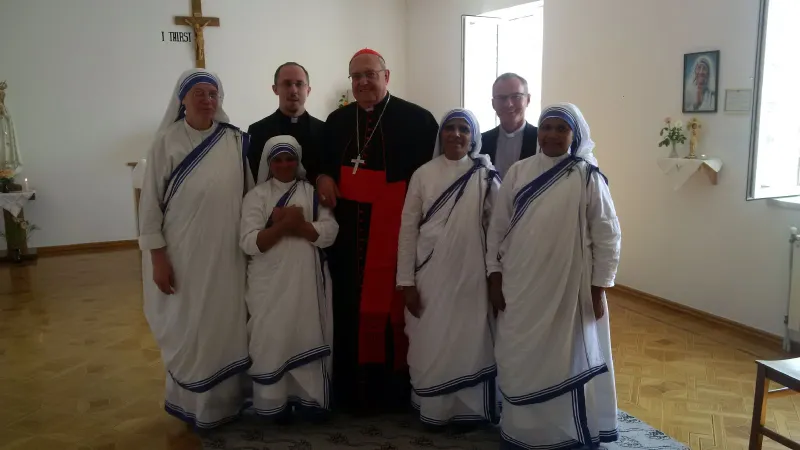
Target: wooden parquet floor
[{"x": 80, "y": 370}]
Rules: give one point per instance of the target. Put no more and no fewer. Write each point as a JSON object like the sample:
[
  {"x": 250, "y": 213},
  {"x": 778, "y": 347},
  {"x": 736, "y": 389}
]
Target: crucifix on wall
[{"x": 198, "y": 24}]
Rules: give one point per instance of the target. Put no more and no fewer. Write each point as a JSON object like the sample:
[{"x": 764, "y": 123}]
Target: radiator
[{"x": 792, "y": 318}]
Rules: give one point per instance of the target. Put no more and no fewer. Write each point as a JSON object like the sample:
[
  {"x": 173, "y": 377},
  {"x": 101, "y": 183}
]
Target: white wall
[
  {"x": 434, "y": 49},
  {"x": 89, "y": 81},
  {"x": 704, "y": 246},
  {"x": 621, "y": 62}
]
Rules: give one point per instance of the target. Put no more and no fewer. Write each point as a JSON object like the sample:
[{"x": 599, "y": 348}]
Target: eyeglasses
[
  {"x": 516, "y": 98},
  {"x": 200, "y": 94},
  {"x": 371, "y": 75},
  {"x": 298, "y": 84}
]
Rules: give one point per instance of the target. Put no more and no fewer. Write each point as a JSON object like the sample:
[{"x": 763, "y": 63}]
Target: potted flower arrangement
[
  {"x": 18, "y": 232},
  {"x": 672, "y": 134},
  {"x": 6, "y": 179}
]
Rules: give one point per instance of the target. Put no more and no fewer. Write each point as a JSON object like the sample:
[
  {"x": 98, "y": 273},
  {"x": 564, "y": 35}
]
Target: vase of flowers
[
  {"x": 6, "y": 179},
  {"x": 672, "y": 135}
]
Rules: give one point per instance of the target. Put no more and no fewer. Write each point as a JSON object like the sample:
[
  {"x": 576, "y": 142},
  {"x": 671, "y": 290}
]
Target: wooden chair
[{"x": 786, "y": 373}]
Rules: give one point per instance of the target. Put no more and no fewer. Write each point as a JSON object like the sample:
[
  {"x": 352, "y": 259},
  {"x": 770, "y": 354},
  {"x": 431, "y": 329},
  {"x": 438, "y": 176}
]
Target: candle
[{"x": 26, "y": 185}]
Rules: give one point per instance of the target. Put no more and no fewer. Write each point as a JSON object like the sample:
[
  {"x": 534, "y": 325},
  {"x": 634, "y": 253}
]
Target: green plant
[
  {"x": 672, "y": 133},
  {"x": 7, "y": 176},
  {"x": 343, "y": 101},
  {"x": 18, "y": 231}
]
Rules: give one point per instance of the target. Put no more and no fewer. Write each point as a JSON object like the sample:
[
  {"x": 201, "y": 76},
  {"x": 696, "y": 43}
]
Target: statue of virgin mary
[{"x": 10, "y": 158}]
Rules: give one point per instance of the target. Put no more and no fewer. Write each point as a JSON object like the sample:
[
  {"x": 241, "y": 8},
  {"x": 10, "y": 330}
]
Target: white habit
[
  {"x": 191, "y": 204},
  {"x": 441, "y": 251},
  {"x": 288, "y": 298},
  {"x": 552, "y": 237}
]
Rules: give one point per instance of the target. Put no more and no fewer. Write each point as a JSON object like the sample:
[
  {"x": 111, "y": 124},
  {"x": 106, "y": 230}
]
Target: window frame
[{"x": 755, "y": 116}]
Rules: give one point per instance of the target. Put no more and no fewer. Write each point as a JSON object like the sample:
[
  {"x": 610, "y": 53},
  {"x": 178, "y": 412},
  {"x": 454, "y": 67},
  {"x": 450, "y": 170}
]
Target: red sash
[{"x": 379, "y": 298}]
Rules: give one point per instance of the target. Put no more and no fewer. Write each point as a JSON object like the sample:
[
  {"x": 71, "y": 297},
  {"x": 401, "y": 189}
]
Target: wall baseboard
[
  {"x": 766, "y": 338},
  {"x": 89, "y": 247}
]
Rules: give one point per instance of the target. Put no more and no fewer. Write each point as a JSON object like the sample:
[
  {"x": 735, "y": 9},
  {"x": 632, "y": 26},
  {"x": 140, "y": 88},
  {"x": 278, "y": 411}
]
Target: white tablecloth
[
  {"x": 14, "y": 201},
  {"x": 679, "y": 170}
]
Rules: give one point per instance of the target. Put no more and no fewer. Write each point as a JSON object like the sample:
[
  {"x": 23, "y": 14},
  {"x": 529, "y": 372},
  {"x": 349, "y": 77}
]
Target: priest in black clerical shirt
[{"x": 292, "y": 88}]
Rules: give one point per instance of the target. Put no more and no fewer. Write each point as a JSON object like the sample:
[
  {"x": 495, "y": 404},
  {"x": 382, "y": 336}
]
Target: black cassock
[
  {"x": 369, "y": 350},
  {"x": 306, "y": 129}
]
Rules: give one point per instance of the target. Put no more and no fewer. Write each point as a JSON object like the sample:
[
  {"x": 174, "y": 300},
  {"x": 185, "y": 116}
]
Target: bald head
[{"x": 370, "y": 57}]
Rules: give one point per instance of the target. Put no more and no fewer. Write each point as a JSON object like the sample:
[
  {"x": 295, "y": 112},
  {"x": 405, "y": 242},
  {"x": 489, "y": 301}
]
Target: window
[
  {"x": 507, "y": 40},
  {"x": 480, "y": 67},
  {"x": 775, "y": 137}
]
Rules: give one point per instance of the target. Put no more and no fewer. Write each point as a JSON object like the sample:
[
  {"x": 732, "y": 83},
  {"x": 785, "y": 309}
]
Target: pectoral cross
[
  {"x": 198, "y": 24},
  {"x": 357, "y": 161}
]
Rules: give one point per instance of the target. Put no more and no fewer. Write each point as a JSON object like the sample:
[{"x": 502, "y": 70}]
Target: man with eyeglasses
[
  {"x": 514, "y": 139},
  {"x": 291, "y": 118},
  {"x": 372, "y": 147}
]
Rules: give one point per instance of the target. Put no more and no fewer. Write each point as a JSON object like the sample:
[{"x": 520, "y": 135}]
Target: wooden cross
[
  {"x": 357, "y": 161},
  {"x": 198, "y": 23}
]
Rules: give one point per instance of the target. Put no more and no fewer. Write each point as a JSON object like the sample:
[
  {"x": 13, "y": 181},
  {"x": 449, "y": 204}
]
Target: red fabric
[
  {"x": 366, "y": 51},
  {"x": 379, "y": 298}
]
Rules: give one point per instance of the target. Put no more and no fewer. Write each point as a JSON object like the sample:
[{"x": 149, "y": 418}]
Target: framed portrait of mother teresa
[{"x": 700, "y": 81}]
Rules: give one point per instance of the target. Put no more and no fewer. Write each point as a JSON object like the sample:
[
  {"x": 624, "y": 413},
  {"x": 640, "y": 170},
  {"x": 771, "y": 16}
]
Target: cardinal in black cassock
[
  {"x": 371, "y": 148},
  {"x": 292, "y": 87}
]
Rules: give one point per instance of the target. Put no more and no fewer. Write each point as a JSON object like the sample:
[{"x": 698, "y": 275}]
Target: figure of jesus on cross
[{"x": 198, "y": 24}]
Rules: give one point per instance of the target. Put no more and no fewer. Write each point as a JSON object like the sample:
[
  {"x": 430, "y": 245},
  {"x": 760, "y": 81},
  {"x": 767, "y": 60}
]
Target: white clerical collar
[
  {"x": 514, "y": 133},
  {"x": 296, "y": 119},
  {"x": 292, "y": 119},
  {"x": 372, "y": 108}
]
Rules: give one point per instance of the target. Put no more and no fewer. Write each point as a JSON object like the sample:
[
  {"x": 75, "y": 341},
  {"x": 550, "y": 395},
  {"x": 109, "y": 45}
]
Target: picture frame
[
  {"x": 738, "y": 100},
  {"x": 700, "y": 82}
]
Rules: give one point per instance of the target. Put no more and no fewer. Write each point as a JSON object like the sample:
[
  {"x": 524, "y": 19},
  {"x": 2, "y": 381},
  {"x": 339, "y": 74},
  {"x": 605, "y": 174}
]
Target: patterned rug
[{"x": 397, "y": 433}]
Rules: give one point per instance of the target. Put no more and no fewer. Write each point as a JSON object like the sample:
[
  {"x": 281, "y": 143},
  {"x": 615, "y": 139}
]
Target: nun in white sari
[
  {"x": 441, "y": 270},
  {"x": 553, "y": 247},
  {"x": 193, "y": 268},
  {"x": 284, "y": 229}
]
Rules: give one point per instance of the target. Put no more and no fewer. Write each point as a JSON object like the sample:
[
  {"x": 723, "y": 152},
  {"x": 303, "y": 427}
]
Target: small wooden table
[
  {"x": 28, "y": 254},
  {"x": 785, "y": 372},
  {"x": 681, "y": 169}
]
